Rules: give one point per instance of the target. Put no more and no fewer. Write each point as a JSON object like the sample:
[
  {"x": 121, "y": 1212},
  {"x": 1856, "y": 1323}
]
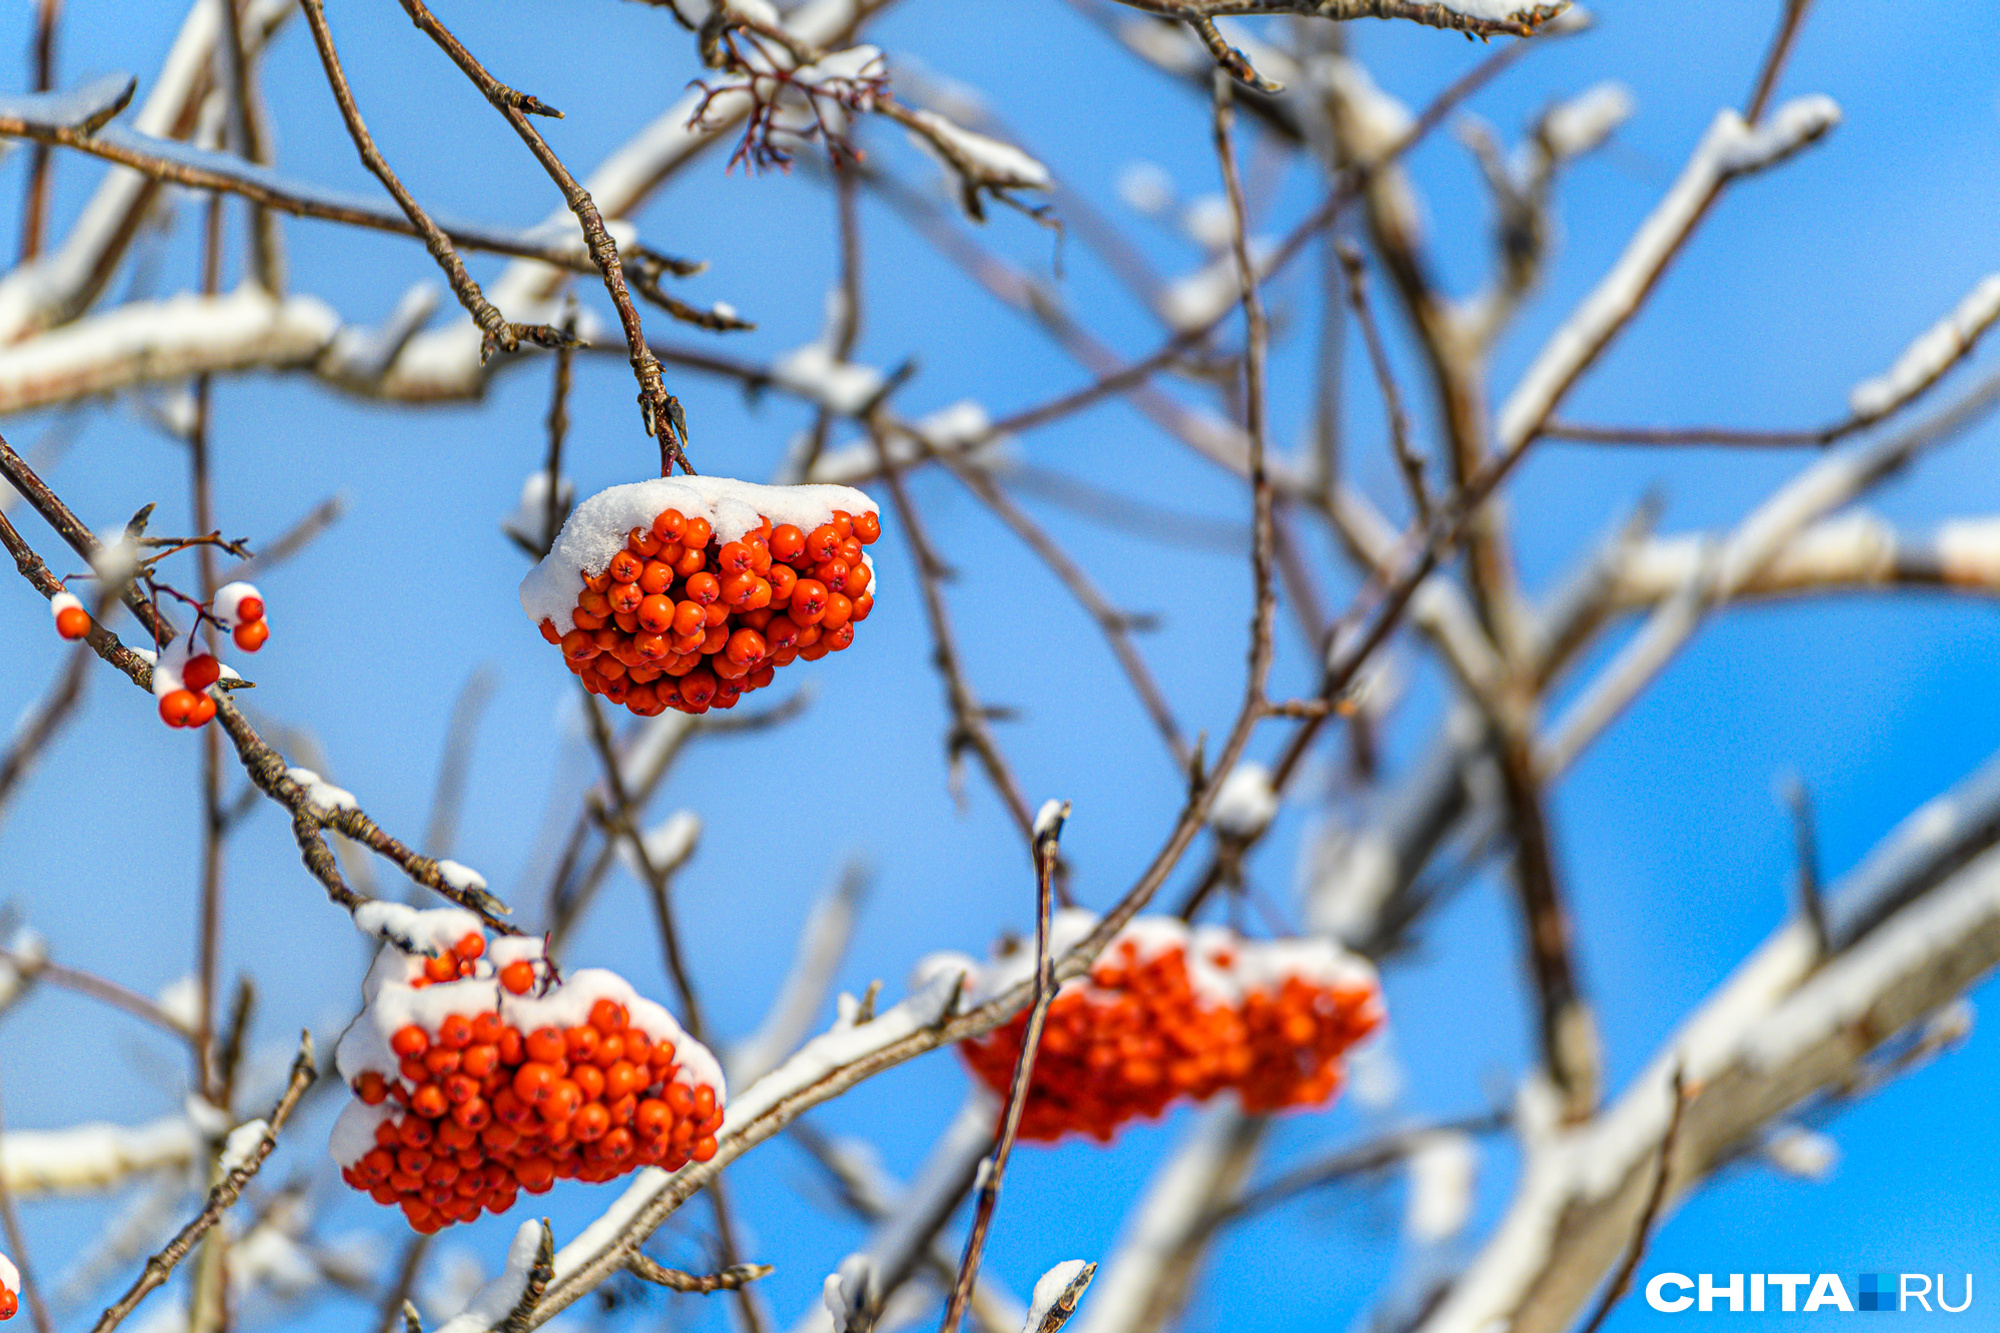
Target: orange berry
[
  {"x": 850, "y": 551},
  {"x": 176, "y": 707},
  {"x": 656, "y": 613},
  {"x": 371, "y": 1088},
  {"x": 201, "y": 672},
  {"x": 704, "y": 1148},
  {"x": 760, "y": 555},
  {"x": 859, "y": 576},
  {"x": 549, "y": 631},
  {"x": 867, "y": 527},
  {"x": 429, "y": 1101},
  {"x": 608, "y": 1016},
  {"x": 597, "y": 582},
  {"x": 625, "y": 567},
  {"x": 760, "y": 594},
  {"x": 762, "y": 676},
  {"x": 471, "y": 945},
  {"x": 730, "y": 671},
  {"x": 584, "y": 620},
  {"x": 518, "y": 976},
  {"x": 786, "y": 541},
  {"x": 545, "y": 1045},
  {"x": 455, "y": 1032},
  {"x": 698, "y": 533},
  {"x": 668, "y": 525},
  {"x": 590, "y": 1123},
  {"x": 692, "y": 561},
  {"x": 736, "y": 590},
  {"x": 838, "y": 610},
  {"x": 441, "y": 969},
  {"x": 733, "y": 558},
  {"x": 863, "y": 605},
  {"x": 204, "y": 709},
  {"x": 578, "y": 646},
  {"x": 591, "y": 1079},
  {"x": 715, "y": 614},
  {"x": 809, "y": 600},
  {"x": 410, "y": 1040},
  {"x": 564, "y": 1099},
  {"x": 656, "y": 576},
  {"x": 713, "y": 641},
  {"x": 624, "y": 599},
  {"x": 581, "y": 1042},
  {"x": 703, "y": 588},
  {"x": 842, "y": 523},
  {"x": 642, "y": 542},
  {"x": 822, "y": 542},
  {"x": 697, "y": 688},
  {"x": 745, "y": 645}
]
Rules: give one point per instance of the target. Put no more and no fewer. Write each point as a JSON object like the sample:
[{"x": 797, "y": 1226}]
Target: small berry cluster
[
  {"x": 181, "y": 676},
  {"x": 1170, "y": 1011},
  {"x": 710, "y": 593},
  {"x": 477, "y": 1073}
]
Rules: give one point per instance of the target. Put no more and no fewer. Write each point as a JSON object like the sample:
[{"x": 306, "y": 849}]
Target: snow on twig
[
  {"x": 1729, "y": 149},
  {"x": 1931, "y": 354},
  {"x": 1920, "y": 922}
]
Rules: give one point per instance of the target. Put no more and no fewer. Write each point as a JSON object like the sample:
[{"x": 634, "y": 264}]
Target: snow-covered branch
[
  {"x": 1728, "y": 150},
  {"x": 1918, "y": 922}
]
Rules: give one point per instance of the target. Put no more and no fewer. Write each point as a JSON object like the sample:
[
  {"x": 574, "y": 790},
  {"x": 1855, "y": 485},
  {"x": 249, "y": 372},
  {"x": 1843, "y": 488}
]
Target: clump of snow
[
  {"x": 180, "y": 1000},
  {"x": 10, "y": 1276},
  {"x": 531, "y": 515},
  {"x": 839, "y": 386},
  {"x": 596, "y": 529},
  {"x": 1378, "y": 123},
  {"x": 64, "y": 601},
  {"x": 1576, "y": 126},
  {"x": 1204, "y": 296},
  {"x": 667, "y": 844},
  {"x": 1246, "y": 805},
  {"x": 1442, "y": 1171},
  {"x": 241, "y": 1145},
  {"x": 1049, "y": 1289},
  {"x": 318, "y": 791},
  {"x": 497, "y": 1299},
  {"x": 464, "y": 879},
  {"x": 1209, "y": 221},
  {"x": 1932, "y": 353},
  {"x": 984, "y": 160},
  {"x": 849, "y": 1290},
  {"x": 1146, "y": 188},
  {"x": 1802, "y": 1153}
]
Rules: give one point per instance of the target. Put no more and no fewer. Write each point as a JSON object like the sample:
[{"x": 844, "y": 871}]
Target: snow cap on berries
[
  {"x": 595, "y": 530},
  {"x": 228, "y": 605},
  {"x": 61, "y": 602}
]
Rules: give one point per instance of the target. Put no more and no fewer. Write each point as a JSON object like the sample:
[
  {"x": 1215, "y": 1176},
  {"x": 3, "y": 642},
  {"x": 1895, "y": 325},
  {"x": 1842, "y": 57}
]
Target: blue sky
[{"x": 1678, "y": 860}]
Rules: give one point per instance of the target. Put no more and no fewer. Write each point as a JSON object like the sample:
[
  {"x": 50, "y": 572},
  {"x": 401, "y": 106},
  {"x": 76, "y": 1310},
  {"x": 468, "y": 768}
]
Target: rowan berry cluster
[
  {"x": 1173, "y": 1011},
  {"x": 181, "y": 676},
  {"x": 477, "y": 1072},
  {"x": 696, "y": 590}
]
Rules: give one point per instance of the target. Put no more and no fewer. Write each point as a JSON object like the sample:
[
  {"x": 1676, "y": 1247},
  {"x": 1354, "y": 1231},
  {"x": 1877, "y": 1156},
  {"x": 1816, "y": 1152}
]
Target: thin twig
[
  {"x": 1385, "y": 379},
  {"x": 497, "y": 332},
  {"x": 1774, "y": 59},
  {"x": 659, "y": 410},
  {"x": 17, "y": 1247},
  {"x": 220, "y": 1198},
  {"x": 1657, "y": 1198},
  {"x": 1798, "y": 798},
  {"x": 1048, "y": 836},
  {"x": 47, "y": 15},
  {"x": 733, "y": 1278}
]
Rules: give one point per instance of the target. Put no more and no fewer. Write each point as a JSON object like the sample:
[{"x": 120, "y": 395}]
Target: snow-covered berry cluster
[
  {"x": 10, "y": 1288},
  {"x": 477, "y": 1072},
  {"x": 690, "y": 592},
  {"x": 1173, "y": 1011},
  {"x": 182, "y": 676}
]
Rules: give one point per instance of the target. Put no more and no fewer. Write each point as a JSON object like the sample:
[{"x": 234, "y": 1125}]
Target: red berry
[
  {"x": 518, "y": 976},
  {"x": 250, "y": 636},
  {"x": 177, "y": 707},
  {"x": 867, "y": 527},
  {"x": 72, "y": 622},
  {"x": 625, "y": 567},
  {"x": 698, "y": 533},
  {"x": 786, "y": 542},
  {"x": 249, "y": 609},
  {"x": 669, "y": 526}
]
